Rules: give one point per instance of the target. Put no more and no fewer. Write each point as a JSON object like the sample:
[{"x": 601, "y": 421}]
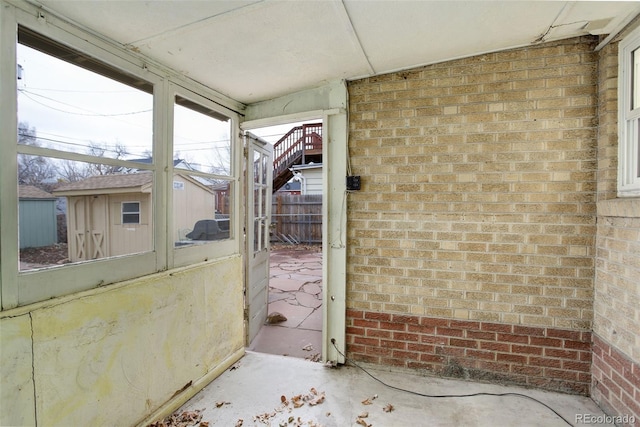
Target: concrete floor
[{"x": 253, "y": 388}]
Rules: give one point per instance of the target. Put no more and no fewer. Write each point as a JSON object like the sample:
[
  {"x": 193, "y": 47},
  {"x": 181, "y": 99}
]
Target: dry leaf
[
  {"x": 362, "y": 422},
  {"x": 283, "y": 399},
  {"x": 317, "y": 400},
  {"x": 239, "y": 423},
  {"x": 363, "y": 415},
  {"x": 204, "y": 424},
  {"x": 222, "y": 403},
  {"x": 388, "y": 408},
  {"x": 308, "y": 347},
  {"x": 369, "y": 400}
]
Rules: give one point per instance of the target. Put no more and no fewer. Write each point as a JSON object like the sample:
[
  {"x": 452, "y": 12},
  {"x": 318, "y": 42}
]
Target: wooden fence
[{"x": 296, "y": 219}]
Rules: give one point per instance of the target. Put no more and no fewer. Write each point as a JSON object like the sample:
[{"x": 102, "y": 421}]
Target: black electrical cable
[{"x": 442, "y": 396}]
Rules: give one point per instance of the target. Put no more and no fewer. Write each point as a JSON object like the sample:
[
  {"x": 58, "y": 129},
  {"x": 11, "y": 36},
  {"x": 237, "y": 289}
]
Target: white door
[{"x": 259, "y": 172}]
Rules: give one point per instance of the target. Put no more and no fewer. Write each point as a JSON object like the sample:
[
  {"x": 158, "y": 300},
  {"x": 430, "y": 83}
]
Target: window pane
[
  {"x": 201, "y": 210},
  {"x": 201, "y": 139},
  {"x": 73, "y": 212},
  {"x": 65, "y": 107}
]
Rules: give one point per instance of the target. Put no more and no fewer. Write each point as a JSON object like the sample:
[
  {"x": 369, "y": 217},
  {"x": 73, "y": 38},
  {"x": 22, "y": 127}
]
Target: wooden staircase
[{"x": 301, "y": 145}]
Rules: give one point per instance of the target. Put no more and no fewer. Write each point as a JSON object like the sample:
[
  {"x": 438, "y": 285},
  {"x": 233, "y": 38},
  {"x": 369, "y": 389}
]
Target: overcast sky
[{"x": 70, "y": 107}]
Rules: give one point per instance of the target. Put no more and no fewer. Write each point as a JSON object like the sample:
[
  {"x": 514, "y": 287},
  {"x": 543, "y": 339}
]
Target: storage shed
[
  {"x": 111, "y": 215},
  {"x": 37, "y": 217}
]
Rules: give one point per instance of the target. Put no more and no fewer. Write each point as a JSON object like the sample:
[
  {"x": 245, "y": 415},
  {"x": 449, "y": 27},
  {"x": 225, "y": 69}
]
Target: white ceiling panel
[{"x": 255, "y": 50}]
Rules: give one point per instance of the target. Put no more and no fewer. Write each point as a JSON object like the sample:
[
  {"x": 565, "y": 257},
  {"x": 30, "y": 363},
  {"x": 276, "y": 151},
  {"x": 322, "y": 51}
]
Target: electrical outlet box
[{"x": 353, "y": 182}]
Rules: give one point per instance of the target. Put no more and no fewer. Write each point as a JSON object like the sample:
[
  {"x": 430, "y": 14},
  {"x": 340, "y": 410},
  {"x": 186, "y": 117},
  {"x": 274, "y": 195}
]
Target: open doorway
[{"x": 295, "y": 291}]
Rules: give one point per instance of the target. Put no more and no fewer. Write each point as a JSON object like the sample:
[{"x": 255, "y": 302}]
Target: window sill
[{"x": 621, "y": 207}]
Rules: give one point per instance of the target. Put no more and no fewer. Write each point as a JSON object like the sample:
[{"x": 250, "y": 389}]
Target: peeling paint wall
[{"x": 113, "y": 356}]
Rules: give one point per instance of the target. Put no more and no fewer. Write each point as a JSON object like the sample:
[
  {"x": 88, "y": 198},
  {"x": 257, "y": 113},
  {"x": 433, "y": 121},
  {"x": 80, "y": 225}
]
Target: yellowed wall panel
[
  {"x": 16, "y": 380},
  {"x": 113, "y": 356}
]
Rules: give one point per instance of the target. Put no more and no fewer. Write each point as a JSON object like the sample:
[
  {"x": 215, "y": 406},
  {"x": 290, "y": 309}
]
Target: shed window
[{"x": 131, "y": 212}]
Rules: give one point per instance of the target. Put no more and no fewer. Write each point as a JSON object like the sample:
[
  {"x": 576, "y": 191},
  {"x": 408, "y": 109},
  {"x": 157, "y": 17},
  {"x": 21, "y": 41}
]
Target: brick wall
[
  {"x": 477, "y": 205},
  {"x": 616, "y": 350}
]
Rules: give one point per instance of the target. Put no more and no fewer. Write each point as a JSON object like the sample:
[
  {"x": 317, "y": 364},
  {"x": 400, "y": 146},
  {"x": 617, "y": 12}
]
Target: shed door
[{"x": 258, "y": 213}]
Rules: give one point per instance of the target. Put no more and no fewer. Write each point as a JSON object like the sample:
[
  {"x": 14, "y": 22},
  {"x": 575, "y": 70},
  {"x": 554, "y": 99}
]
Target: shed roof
[
  {"x": 102, "y": 184},
  {"x": 32, "y": 192}
]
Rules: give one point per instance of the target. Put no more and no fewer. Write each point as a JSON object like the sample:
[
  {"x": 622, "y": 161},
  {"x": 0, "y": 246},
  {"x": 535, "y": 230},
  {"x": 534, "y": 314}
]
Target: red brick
[
  {"x": 350, "y": 330},
  {"x": 393, "y": 344},
  {"x": 585, "y": 356},
  {"x": 422, "y": 348},
  {"x": 464, "y": 324},
  {"x": 546, "y": 342},
  {"x": 378, "y": 333},
  {"x": 433, "y": 358},
  {"x": 431, "y": 321},
  {"x": 622, "y": 360},
  {"x": 611, "y": 386},
  {"x": 514, "y": 358},
  {"x": 463, "y": 343},
  {"x": 563, "y": 354},
  {"x": 434, "y": 339},
  {"x": 527, "y": 370},
  {"x": 632, "y": 404},
  {"x": 560, "y": 374},
  {"x": 562, "y": 333},
  {"x": 421, "y": 329},
  {"x": 576, "y": 366},
  {"x": 622, "y": 383},
  {"x": 406, "y": 355},
  {"x": 495, "y": 346},
  {"x": 366, "y": 341},
  {"x": 378, "y": 351},
  {"x": 449, "y": 332},
  {"x": 545, "y": 361},
  {"x": 528, "y": 330},
  {"x": 393, "y": 326},
  {"x": 479, "y": 354},
  {"x": 521, "y": 339},
  {"x": 493, "y": 366},
  {"x": 353, "y": 348},
  {"x": 403, "y": 336},
  {"x": 355, "y": 314},
  {"x": 577, "y": 345},
  {"x": 386, "y": 317},
  {"x": 481, "y": 335},
  {"x": 399, "y": 318},
  {"x": 526, "y": 349},
  {"x": 366, "y": 324},
  {"x": 496, "y": 327},
  {"x": 451, "y": 351}
]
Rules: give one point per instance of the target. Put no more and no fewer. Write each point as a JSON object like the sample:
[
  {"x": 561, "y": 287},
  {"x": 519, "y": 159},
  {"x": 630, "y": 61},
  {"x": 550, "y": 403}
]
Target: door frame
[{"x": 334, "y": 218}]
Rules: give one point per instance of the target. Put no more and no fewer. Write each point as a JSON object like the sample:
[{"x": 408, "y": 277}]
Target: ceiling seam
[
  {"x": 343, "y": 8},
  {"x": 195, "y": 23}
]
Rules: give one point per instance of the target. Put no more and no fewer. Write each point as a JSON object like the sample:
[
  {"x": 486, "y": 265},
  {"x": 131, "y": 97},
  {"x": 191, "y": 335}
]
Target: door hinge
[
  {"x": 245, "y": 152},
  {"x": 246, "y": 314}
]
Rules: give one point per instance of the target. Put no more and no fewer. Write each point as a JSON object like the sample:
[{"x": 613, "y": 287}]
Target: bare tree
[{"x": 33, "y": 170}]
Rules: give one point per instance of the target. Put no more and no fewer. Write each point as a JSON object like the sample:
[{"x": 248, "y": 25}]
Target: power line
[{"x": 26, "y": 93}]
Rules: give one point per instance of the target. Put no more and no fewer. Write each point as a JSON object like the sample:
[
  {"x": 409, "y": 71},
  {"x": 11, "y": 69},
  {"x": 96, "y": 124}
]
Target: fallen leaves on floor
[
  {"x": 183, "y": 419},
  {"x": 222, "y": 403},
  {"x": 388, "y": 408},
  {"x": 369, "y": 400},
  {"x": 239, "y": 423},
  {"x": 308, "y": 347},
  {"x": 314, "y": 397},
  {"x": 316, "y": 357}
]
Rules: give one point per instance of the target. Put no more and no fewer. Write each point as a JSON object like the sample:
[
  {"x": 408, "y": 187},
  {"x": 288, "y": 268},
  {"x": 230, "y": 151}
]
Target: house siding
[
  {"x": 616, "y": 350},
  {"x": 478, "y": 207}
]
